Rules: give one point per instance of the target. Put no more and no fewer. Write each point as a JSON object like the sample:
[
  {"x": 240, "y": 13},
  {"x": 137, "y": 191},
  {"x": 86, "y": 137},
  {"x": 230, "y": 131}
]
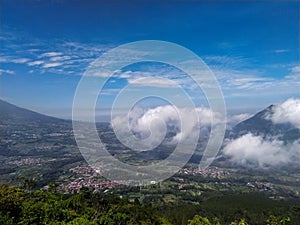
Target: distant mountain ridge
[{"x": 10, "y": 113}]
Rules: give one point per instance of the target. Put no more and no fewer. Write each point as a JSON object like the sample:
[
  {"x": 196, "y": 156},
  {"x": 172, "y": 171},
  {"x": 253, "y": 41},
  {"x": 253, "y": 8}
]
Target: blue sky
[{"x": 251, "y": 46}]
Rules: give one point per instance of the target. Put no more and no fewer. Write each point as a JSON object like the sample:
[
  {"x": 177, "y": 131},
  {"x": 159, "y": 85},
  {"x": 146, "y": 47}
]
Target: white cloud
[
  {"x": 153, "y": 81},
  {"x": 281, "y": 50},
  {"x": 148, "y": 127},
  {"x": 50, "y": 54},
  {"x": 294, "y": 75},
  {"x": 238, "y": 80},
  {"x": 234, "y": 119},
  {"x": 205, "y": 116},
  {"x": 35, "y": 63},
  {"x": 125, "y": 75},
  {"x": 50, "y": 65},
  {"x": 243, "y": 82},
  {"x": 232, "y": 73},
  {"x": 250, "y": 150},
  {"x": 287, "y": 112},
  {"x": 76, "y": 54},
  {"x": 253, "y": 83},
  {"x": 60, "y": 58},
  {"x": 8, "y": 59},
  {"x": 10, "y": 72},
  {"x": 155, "y": 122},
  {"x": 296, "y": 69},
  {"x": 20, "y": 60},
  {"x": 4, "y": 59}
]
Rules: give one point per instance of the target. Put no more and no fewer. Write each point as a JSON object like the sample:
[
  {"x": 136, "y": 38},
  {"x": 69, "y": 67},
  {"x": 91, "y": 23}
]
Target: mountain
[
  {"x": 27, "y": 133},
  {"x": 34, "y": 145},
  {"x": 11, "y": 113},
  {"x": 261, "y": 125}
]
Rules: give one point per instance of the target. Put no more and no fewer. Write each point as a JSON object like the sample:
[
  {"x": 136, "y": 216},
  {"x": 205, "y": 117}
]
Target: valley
[{"x": 43, "y": 149}]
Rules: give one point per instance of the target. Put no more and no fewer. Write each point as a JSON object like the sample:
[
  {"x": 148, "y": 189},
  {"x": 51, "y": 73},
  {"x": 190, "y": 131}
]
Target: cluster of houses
[
  {"x": 87, "y": 176},
  {"x": 26, "y": 161},
  {"x": 208, "y": 172}
]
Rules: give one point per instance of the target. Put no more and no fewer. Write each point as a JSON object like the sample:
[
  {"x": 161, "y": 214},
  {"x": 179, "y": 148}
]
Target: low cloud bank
[
  {"x": 287, "y": 112},
  {"x": 256, "y": 151},
  {"x": 164, "y": 122}
]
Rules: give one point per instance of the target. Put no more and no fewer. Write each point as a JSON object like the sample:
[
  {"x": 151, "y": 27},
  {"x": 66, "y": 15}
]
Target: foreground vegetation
[{"x": 20, "y": 206}]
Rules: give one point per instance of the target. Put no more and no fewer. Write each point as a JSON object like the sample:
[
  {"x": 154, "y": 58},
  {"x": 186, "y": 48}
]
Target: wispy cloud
[
  {"x": 50, "y": 54},
  {"x": 253, "y": 82},
  {"x": 10, "y": 72},
  {"x": 60, "y": 58},
  {"x": 236, "y": 74},
  {"x": 35, "y": 63},
  {"x": 153, "y": 81},
  {"x": 249, "y": 82},
  {"x": 281, "y": 50},
  {"x": 20, "y": 60},
  {"x": 295, "y": 69},
  {"x": 50, "y": 65},
  {"x": 224, "y": 60},
  {"x": 11, "y": 59}
]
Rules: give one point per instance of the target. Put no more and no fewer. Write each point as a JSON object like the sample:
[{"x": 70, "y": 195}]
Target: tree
[
  {"x": 199, "y": 220},
  {"x": 27, "y": 184},
  {"x": 276, "y": 220},
  {"x": 241, "y": 222}
]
